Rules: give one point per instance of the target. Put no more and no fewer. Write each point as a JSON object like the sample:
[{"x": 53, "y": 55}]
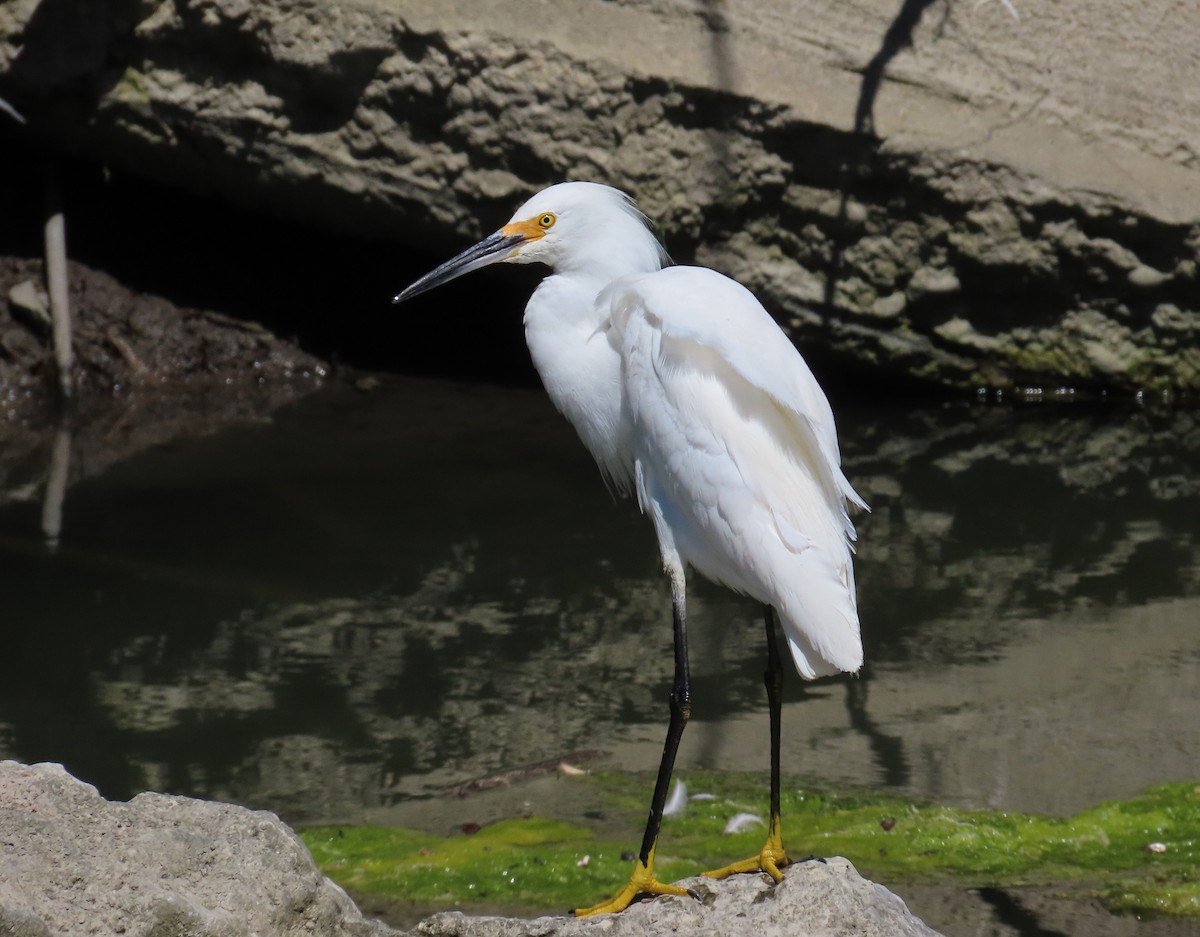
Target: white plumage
[
  {"x": 686, "y": 392},
  {"x": 735, "y": 456}
]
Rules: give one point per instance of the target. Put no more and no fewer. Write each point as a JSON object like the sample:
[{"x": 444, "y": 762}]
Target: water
[{"x": 373, "y": 597}]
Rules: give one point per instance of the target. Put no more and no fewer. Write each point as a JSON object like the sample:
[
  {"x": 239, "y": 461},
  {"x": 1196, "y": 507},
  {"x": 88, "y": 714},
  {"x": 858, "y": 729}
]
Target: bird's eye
[{"x": 546, "y": 221}]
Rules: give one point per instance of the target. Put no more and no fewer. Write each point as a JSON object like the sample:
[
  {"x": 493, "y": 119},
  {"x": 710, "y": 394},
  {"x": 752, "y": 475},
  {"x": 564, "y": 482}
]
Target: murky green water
[{"x": 377, "y": 596}]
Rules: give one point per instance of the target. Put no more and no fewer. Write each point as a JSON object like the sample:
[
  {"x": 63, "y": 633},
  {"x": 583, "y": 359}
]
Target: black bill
[{"x": 491, "y": 249}]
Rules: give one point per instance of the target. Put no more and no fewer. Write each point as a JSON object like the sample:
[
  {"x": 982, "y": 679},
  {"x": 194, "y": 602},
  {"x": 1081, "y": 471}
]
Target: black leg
[
  {"x": 773, "y": 678},
  {"x": 642, "y": 881},
  {"x": 773, "y": 856},
  {"x": 681, "y": 711}
]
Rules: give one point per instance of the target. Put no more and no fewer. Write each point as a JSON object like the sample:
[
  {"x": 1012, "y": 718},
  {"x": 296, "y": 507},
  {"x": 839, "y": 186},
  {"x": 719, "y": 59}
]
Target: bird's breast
[{"x": 581, "y": 372}]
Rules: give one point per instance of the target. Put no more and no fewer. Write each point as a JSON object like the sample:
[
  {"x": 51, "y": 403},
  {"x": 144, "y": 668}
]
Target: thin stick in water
[{"x": 56, "y": 284}]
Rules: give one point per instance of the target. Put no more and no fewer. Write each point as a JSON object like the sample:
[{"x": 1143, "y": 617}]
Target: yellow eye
[{"x": 546, "y": 221}]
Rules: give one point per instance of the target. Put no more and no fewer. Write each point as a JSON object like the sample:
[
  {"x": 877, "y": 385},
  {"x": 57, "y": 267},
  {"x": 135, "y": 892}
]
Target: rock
[
  {"x": 1148, "y": 277},
  {"x": 72, "y": 862},
  {"x": 29, "y": 299},
  {"x": 830, "y": 160},
  {"x": 815, "y": 899},
  {"x": 126, "y": 339},
  {"x": 927, "y": 281}
]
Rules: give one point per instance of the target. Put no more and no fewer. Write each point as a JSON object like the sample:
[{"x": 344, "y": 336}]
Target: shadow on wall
[
  {"x": 725, "y": 80},
  {"x": 69, "y": 46},
  {"x": 899, "y": 36}
]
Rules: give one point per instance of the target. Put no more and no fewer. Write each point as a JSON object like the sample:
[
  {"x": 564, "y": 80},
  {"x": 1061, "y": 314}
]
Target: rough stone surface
[
  {"x": 815, "y": 899},
  {"x": 74, "y": 863},
  {"x": 934, "y": 189}
]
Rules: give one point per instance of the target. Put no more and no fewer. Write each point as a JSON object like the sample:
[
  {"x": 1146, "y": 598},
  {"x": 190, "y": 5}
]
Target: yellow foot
[
  {"x": 642, "y": 882},
  {"x": 772, "y": 858}
]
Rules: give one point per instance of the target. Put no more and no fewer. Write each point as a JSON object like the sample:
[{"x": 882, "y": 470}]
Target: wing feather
[
  {"x": 712, "y": 310},
  {"x": 736, "y": 447}
]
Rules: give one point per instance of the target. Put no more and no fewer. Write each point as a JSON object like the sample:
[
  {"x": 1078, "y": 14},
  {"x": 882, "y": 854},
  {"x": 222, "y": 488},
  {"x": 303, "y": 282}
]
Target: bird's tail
[{"x": 819, "y": 615}]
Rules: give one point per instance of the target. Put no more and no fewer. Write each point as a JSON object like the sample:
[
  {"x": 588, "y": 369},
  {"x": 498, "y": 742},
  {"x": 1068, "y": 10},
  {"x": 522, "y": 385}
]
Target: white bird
[{"x": 686, "y": 392}]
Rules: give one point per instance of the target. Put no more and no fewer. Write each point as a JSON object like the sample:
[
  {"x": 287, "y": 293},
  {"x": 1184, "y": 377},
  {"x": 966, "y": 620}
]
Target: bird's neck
[
  {"x": 568, "y": 334},
  {"x": 593, "y": 266},
  {"x": 570, "y": 346}
]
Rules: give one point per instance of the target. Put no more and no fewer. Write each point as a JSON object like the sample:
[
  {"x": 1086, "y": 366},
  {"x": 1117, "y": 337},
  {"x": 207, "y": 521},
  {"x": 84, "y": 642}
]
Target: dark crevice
[
  {"x": 332, "y": 294},
  {"x": 315, "y": 100},
  {"x": 70, "y": 49}
]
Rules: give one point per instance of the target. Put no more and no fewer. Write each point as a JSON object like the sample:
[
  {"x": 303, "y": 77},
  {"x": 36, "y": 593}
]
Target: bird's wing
[
  {"x": 737, "y": 455},
  {"x": 705, "y": 307}
]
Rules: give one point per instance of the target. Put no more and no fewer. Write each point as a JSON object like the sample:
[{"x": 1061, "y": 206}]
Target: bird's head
[{"x": 569, "y": 225}]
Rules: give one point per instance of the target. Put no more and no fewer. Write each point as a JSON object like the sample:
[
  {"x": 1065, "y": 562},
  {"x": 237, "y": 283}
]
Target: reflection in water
[
  {"x": 1031, "y": 578},
  {"x": 56, "y": 485},
  {"x": 886, "y": 750},
  {"x": 376, "y": 596}
]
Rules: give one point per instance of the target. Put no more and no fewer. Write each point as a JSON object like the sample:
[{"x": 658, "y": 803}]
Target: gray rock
[
  {"x": 829, "y": 159},
  {"x": 72, "y": 862},
  {"x": 815, "y": 899},
  {"x": 29, "y": 299}
]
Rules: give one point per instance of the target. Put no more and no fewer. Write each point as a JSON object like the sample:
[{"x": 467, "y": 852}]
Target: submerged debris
[
  {"x": 740, "y": 822},
  {"x": 677, "y": 803}
]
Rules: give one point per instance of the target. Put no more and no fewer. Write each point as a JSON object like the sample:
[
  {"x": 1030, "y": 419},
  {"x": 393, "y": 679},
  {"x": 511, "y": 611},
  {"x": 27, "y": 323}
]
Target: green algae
[
  {"x": 519, "y": 862},
  {"x": 1138, "y": 856},
  {"x": 1174, "y": 893},
  {"x": 133, "y": 87}
]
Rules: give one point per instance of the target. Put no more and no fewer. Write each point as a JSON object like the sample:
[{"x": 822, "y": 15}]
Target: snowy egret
[{"x": 688, "y": 394}]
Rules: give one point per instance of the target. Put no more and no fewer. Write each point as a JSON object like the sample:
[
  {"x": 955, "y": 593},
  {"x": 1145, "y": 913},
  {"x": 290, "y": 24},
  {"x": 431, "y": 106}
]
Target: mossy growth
[
  {"x": 1138, "y": 856},
  {"x": 133, "y": 87}
]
